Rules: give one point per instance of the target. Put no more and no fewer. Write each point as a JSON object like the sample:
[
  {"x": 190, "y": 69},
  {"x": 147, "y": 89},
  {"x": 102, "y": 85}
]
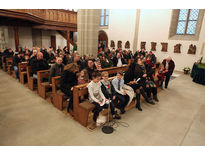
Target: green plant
[{"x": 186, "y": 69}]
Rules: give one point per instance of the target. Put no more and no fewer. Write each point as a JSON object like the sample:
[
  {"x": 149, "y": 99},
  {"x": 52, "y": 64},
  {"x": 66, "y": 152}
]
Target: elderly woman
[
  {"x": 169, "y": 66},
  {"x": 68, "y": 81}
]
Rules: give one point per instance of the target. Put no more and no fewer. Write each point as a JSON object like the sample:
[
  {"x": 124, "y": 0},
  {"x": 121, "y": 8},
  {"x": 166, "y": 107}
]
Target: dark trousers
[
  {"x": 123, "y": 101},
  {"x": 160, "y": 81},
  {"x": 70, "y": 105},
  {"x": 99, "y": 108},
  {"x": 167, "y": 79},
  {"x": 152, "y": 90}
]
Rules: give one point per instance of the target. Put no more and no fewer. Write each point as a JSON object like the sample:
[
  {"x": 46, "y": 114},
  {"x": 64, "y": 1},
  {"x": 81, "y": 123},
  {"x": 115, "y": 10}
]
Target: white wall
[
  {"x": 121, "y": 26},
  {"x": 154, "y": 27},
  {"x": 60, "y": 41},
  {"x": 11, "y": 41},
  {"x": 25, "y": 38}
]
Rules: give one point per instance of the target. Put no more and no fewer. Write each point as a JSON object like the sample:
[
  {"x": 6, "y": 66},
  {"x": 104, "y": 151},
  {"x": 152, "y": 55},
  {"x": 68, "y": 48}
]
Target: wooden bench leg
[
  {"x": 30, "y": 84},
  {"x": 21, "y": 78},
  {"x": 83, "y": 117},
  {"x": 57, "y": 101},
  {"x": 42, "y": 92}
]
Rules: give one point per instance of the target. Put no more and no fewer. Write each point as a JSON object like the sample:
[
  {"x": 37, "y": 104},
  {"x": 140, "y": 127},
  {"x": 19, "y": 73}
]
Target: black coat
[
  {"x": 149, "y": 71},
  {"x": 115, "y": 61},
  {"x": 38, "y": 65},
  {"x": 17, "y": 60},
  {"x": 170, "y": 67},
  {"x": 106, "y": 93},
  {"x": 90, "y": 71},
  {"x": 79, "y": 63},
  {"x": 68, "y": 80}
]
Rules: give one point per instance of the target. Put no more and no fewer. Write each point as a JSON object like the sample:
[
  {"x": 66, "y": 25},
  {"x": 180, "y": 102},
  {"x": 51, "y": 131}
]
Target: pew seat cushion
[
  {"x": 60, "y": 93},
  {"x": 23, "y": 72},
  {"x": 87, "y": 105},
  {"x": 45, "y": 84}
]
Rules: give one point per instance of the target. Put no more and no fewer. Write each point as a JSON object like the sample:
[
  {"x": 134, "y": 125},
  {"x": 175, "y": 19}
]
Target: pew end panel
[
  {"x": 30, "y": 78},
  {"x": 57, "y": 96},
  {"x": 22, "y": 72},
  {"x": 43, "y": 86}
]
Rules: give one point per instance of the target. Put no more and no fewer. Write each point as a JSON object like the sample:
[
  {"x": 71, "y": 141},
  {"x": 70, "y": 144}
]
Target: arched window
[
  {"x": 187, "y": 21},
  {"x": 104, "y": 17},
  {"x": 186, "y": 24}
]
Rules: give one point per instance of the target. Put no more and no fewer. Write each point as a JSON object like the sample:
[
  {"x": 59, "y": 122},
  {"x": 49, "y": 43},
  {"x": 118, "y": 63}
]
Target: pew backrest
[
  {"x": 55, "y": 83},
  {"x": 22, "y": 67}
]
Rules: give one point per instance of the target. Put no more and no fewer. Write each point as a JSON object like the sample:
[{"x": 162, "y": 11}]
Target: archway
[{"x": 102, "y": 39}]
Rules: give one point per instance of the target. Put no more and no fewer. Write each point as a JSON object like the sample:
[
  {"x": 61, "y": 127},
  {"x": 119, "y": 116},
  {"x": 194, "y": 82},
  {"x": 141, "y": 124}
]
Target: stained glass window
[
  {"x": 187, "y": 21},
  {"x": 104, "y": 17}
]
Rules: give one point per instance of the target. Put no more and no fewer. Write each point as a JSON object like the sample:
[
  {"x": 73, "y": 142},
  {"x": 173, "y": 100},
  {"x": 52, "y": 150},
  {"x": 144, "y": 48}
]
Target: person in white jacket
[{"x": 96, "y": 96}]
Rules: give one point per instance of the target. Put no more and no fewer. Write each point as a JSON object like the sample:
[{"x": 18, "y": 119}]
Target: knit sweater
[{"x": 95, "y": 93}]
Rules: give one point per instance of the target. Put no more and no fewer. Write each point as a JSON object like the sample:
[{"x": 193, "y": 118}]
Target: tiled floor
[{"x": 178, "y": 119}]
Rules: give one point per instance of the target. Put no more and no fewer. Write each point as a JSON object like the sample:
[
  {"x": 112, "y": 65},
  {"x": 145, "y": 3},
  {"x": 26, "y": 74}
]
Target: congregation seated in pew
[
  {"x": 56, "y": 69},
  {"x": 38, "y": 64},
  {"x": 38, "y": 59}
]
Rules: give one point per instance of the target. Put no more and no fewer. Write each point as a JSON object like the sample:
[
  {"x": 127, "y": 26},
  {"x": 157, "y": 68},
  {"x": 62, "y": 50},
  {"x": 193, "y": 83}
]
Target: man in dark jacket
[
  {"x": 56, "y": 69},
  {"x": 76, "y": 59},
  {"x": 169, "y": 65},
  {"x": 118, "y": 60},
  {"x": 91, "y": 68},
  {"x": 38, "y": 64},
  {"x": 18, "y": 58}
]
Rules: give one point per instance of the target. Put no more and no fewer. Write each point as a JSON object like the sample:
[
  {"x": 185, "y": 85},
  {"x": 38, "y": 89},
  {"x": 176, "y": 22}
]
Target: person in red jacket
[
  {"x": 161, "y": 75},
  {"x": 169, "y": 66}
]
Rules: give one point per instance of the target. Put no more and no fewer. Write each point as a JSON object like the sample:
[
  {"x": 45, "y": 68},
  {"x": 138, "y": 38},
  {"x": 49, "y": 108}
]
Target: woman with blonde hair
[{"x": 68, "y": 81}]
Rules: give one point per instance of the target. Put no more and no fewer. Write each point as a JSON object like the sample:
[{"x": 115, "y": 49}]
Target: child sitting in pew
[
  {"x": 83, "y": 77},
  {"x": 96, "y": 96},
  {"x": 121, "y": 95},
  {"x": 109, "y": 92}
]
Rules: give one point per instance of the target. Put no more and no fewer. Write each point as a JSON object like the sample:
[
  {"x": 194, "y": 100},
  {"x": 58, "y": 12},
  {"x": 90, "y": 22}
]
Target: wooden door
[{"x": 53, "y": 42}]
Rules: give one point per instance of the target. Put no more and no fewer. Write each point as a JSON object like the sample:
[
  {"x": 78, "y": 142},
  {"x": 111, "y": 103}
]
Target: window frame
[
  {"x": 174, "y": 24},
  {"x": 187, "y": 22},
  {"x": 104, "y": 16}
]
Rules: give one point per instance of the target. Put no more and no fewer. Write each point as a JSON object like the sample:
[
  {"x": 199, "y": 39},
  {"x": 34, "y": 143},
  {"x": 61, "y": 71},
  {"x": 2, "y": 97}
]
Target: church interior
[{"x": 149, "y": 65}]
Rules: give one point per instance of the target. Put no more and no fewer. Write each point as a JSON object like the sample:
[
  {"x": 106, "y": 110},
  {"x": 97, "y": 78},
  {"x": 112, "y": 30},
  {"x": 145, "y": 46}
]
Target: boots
[
  {"x": 155, "y": 98},
  {"x": 138, "y": 102},
  {"x": 148, "y": 100}
]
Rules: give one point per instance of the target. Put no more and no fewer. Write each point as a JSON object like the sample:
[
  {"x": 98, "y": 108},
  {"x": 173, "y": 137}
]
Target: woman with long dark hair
[{"x": 68, "y": 81}]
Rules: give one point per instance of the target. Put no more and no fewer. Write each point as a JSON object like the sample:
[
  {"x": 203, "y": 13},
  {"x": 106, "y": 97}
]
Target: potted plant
[{"x": 186, "y": 70}]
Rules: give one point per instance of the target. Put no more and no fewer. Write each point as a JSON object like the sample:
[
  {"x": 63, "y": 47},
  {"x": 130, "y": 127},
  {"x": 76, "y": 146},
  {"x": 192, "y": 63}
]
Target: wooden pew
[
  {"x": 22, "y": 71},
  {"x": 43, "y": 86},
  {"x": 9, "y": 62},
  {"x": 30, "y": 78},
  {"x": 57, "y": 97},
  {"x": 3, "y": 63},
  {"x": 82, "y": 110},
  {"x": 114, "y": 70}
]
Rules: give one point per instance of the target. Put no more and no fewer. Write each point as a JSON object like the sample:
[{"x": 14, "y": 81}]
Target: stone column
[
  {"x": 88, "y": 23},
  {"x": 135, "y": 41}
]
